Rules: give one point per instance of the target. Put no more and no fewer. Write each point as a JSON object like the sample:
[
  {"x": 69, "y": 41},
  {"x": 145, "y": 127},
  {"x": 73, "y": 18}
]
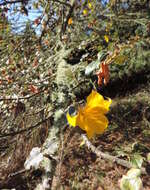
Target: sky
[{"x": 21, "y": 19}]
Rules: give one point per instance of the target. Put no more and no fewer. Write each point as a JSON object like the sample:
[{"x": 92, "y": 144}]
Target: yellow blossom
[
  {"x": 90, "y": 5},
  {"x": 85, "y": 12},
  {"x": 70, "y": 21},
  {"x": 106, "y": 38},
  {"x": 91, "y": 118}
]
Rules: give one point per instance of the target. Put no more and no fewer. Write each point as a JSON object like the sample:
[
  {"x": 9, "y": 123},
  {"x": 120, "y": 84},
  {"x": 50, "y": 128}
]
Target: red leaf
[
  {"x": 33, "y": 89},
  {"x": 36, "y": 21},
  {"x": 103, "y": 74},
  {"x": 35, "y": 62}
]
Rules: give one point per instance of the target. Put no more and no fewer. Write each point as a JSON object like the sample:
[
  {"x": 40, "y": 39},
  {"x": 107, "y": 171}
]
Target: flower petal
[
  {"x": 102, "y": 109},
  {"x": 96, "y": 125},
  {"x": 92, "y": 122},
  {"x": 81, "y": 119},
  {"x": 72, "y": 120},
  {"x": 95, "y": 99}
]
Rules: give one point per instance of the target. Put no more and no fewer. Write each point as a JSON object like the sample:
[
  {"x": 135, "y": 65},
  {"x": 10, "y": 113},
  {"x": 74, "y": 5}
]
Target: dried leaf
[
  {"x": 36, "y": 21},
  {"x": 103, "y": 74},
  {"x": 33, "y": 89},
  {"x": 35, "y": 62}
]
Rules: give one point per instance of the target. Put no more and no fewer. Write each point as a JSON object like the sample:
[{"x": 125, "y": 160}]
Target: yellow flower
[
  {"x": 106, "y": 38},
  {"x": 70, "y": 21},
  {"x": 85, "y": 11},
  {"x": 91, "y": 118},
  {"x": 90, "y": 5}
]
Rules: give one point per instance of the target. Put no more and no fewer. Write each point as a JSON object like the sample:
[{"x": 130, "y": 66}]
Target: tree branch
[
  {"x": 25, "y": 130},
  {"x": 64, "y": 26},
  {"x": 109, "y": 157},
  {"x": 63, "y": 3},
  {"x": 22, "y": 98},
  {"x": 12, "y": 2}
]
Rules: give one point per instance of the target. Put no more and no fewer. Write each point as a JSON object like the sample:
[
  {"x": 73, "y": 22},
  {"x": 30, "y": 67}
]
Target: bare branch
[
  {"x": 109, "y": 157},
  {"x": 63, "y": 3},
  {"x": 22, "y": 98},
  {"x": 64, "y": 26},
  {"x": 12, "y": 2},
  {"x": 25, "y": 130}
]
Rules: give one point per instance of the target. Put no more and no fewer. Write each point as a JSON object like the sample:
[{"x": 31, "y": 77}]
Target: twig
[
  {"x": 22, "y": 98},
  {"x": 63, "y": 3},
  {"x": 17, "y": 173},
  {"x": 64, "y": 26},
  {"x": 25, "y": 130},
  {"x": 11, "y": 2},
  {"x": 109, "y": 157},
  {"x": 8, "y": 56}
]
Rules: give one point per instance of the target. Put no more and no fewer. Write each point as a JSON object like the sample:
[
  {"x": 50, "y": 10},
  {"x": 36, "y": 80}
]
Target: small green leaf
[{"x": 137, "y": 160}]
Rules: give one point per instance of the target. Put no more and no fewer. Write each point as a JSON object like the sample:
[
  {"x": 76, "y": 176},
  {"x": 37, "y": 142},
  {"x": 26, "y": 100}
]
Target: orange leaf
[
  {"x": 46, "y": 42},
  {"x": 13, "y": 69},
  {"x": 33, "y": 89},
  {"x": 9, "y": 80},
  {"x": 36, "y": 21},
  {"x": 103, "y": 74},
  {"x": 35, "y": 62},
  {"x": 3, "y": 72}
]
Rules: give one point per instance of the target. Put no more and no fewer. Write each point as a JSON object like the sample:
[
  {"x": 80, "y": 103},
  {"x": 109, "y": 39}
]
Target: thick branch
[{"x": 109, "y": 157}]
